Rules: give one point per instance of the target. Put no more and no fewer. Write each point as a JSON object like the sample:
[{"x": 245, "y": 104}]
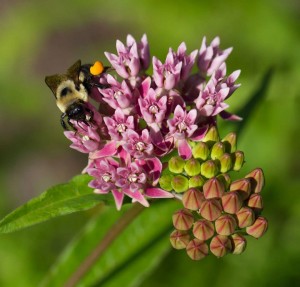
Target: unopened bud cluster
[{"x": 217, "y": 212}]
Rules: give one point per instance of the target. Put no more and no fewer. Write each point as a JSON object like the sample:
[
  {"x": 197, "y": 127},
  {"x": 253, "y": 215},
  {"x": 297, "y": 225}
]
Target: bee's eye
[{"x": 64, "y": 92}]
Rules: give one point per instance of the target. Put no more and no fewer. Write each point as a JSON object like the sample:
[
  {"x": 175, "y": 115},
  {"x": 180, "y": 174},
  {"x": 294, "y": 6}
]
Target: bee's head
[{"x": 76, "y": 111}]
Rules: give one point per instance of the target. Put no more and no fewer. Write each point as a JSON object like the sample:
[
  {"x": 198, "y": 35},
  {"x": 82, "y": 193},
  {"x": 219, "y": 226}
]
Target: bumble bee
[{"x": 72, "y": 89}]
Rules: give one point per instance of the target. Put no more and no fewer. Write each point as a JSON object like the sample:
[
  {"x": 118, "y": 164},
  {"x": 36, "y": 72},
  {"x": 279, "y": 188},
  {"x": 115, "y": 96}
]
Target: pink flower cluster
[{"x": 142, "y": 117}]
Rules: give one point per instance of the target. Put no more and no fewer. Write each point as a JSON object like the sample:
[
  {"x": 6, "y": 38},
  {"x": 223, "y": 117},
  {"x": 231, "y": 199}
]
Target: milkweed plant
[{"x": 155, "y": 137}]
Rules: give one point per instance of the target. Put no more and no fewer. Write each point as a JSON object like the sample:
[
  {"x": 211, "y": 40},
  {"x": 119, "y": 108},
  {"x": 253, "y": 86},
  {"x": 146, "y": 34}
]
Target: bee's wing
[
  {"x": 73, "y": 72},
  {"x": 53, "y": 82}
]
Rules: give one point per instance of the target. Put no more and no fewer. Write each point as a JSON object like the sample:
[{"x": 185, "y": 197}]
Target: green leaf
[
  {"x": 257, "y": 97},
  {"x": 129, "y": 258},
  {"x": 58, "y": 200}
]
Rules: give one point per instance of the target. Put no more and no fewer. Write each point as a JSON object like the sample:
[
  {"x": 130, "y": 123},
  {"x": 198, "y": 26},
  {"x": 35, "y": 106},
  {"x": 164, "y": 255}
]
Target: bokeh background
[{"x": 39, "y": 38}]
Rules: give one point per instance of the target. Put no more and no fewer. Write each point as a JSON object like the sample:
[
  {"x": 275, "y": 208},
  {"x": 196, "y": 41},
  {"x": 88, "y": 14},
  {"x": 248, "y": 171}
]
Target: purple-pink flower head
[
  {"x": 85, "y": 143},
  {"x": 137, "y": 181},
  {"x": 167, "y": 75},
  {"x": 211, "y": 57},
  {"x": 152, "y": 106},
  {"x": 118, "y": 124},
  {"x": 186, "y": 60},
  {"x": 138, "y": 146},
  {"x": 211, "y": 100},
  {"x": 119, "y": 95},
  {"x": 104, "y": 171},
  {"x": 181, "y": 128},
  {"x": 131, "y": 58},
  {"x": 131, "y": 177},
  {"x": 182, "y": 125}
]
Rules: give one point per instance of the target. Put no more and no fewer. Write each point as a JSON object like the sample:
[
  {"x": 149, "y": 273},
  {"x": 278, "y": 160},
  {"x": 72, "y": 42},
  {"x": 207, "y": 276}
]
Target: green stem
[{"x": 105, "y": 242}]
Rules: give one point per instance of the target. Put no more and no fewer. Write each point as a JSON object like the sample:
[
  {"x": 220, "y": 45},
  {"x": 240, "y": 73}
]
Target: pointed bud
[
  {"x": 211, "y": 209},
  {"x": 192, "y": 199},
  {"x": 231, "y": 202},
  {"x": 165, "y": 182},
  {"x": 258, "y": 228},
  {"x": 209, "y": 169},
  {"x": 217, "y": 150},
  {"x": 255, "y": 202},
  {"x": 245, "y": 217},
  {"x": 230, "y": 142},
  {"x": 225, "y": 163},
  {"x": 200, "y": 151},
  {"x": 179, "y": 239},
  {"x": 213, "y": 188},
  {"x": 239, "y": 243},
  {"x": 220, "y": 245},
  {"x": 196, "y": 181},
  {"x": 180, "y": 183},
  {"x": 197, "y": 249},
  {"x": 203, "y": 229},
  {"x": 183, "y": 219},
  {"x": 176, "y": 164},
  {"x": 225, "y": 178},
  {"x": 242, "y": 186},
  {"x": 238, "y": 160},
  {"x": 257, "y": 179},
  {"x": 211, "y": 136},
  {"x": 225, "y": 224},
  {"x": 192, "y": 167}
]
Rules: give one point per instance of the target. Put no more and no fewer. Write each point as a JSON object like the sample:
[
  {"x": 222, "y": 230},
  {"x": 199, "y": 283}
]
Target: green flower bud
[
  {"x": 200, "y": 151},
  {"x": 225, "y": 163},
  {"x": 211, "y": 209},
  {"x": 226, "y": 180},
  {"x": 220, "y": 245},
  {"x": 203, "y": 229},
  {"x": 179, "y": 239},
  {"x": 239, "y": 243},
  {"x": 245, "y": 217},
  {"x": 183, "y": 219},
  {"x": 257, "y": 179},
  {"x": 217, "y": 150},
  {"x": 196, "y": 181},
  {"x": 225, "y": 224},
  {"x": 165, "y": 182},
  {"x": 197, "y": 249},
  {"x": 209, "y": 169},
  {"x": 192, "y": 199},
  {"x": 238, "y": 160},
  {"x": 180, "y": 183},
  {"x": 258, "y": 228},
  {"x": 242, "y": 186},
  {"x": 192, "y": 167},
  {"x": 211, "y": 136},
  {"x": 213, "y": 188},
  {"x": 176, "y": 164},
  {"x": 230, "y": 142},
  {"x": 231, "y": 202},
  {"x": 255, "y": 202}
]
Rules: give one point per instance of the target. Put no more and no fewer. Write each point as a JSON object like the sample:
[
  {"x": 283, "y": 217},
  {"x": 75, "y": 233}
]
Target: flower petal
[
  {"x": 109, "y": 149},
  {"x": 184, "y": 149},
  {"x": 158, "y": 193},
  {"x": 118, "y": 196}
]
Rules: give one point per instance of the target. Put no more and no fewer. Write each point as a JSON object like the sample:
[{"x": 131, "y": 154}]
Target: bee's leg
[
  {"x": 62, "y": 121},
  {"x": 100, "y": 86},
  {"x": 71, "y": 125}
]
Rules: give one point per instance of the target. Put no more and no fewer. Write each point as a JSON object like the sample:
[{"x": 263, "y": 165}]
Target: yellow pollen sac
[{"x": 97, "y": 68}]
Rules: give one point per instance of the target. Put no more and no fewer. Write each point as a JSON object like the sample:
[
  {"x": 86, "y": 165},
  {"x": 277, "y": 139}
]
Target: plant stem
[{"x": 110, "y": 236}]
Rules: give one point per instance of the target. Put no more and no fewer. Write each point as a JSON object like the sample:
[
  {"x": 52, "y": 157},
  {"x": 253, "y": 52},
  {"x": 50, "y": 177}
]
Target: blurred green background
[{"x": 39, "y": 38}]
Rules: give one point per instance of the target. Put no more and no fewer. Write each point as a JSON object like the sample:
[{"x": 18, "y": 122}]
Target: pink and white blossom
[{"x": 142, "y": 118}]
